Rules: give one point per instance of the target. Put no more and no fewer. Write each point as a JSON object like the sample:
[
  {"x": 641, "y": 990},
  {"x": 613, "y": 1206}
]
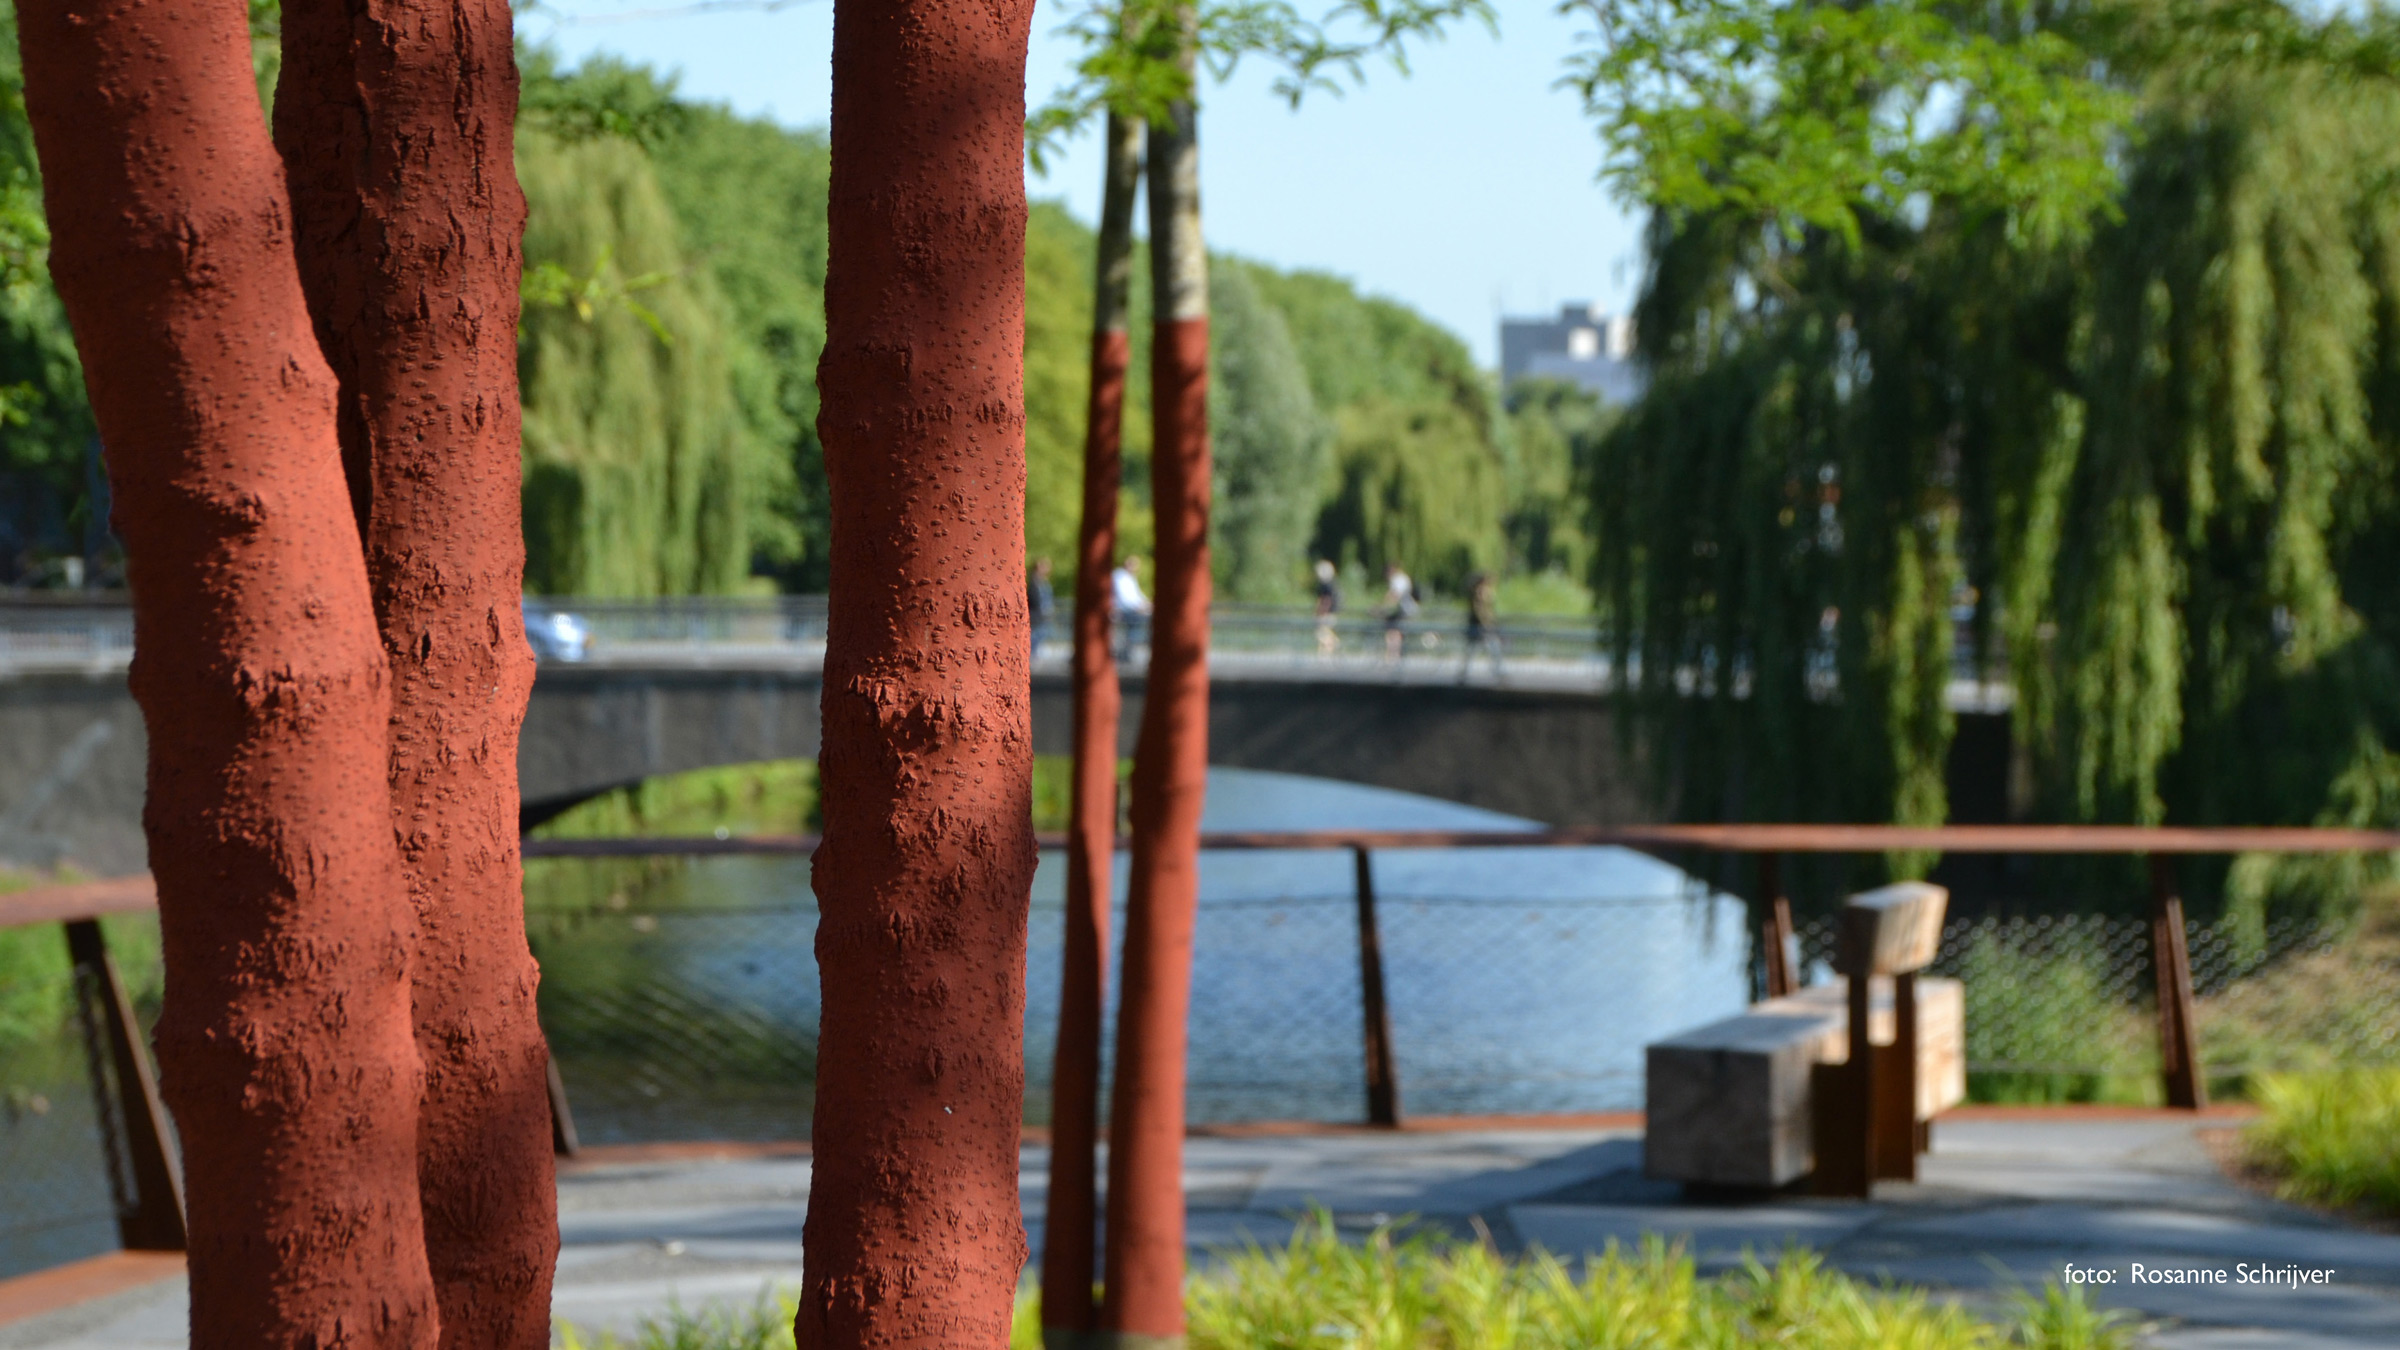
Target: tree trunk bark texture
[
  {"x": 1170, "y": 778},
  {"x": 913, "y": 1236},
  {"x": 396, "y": 120},
  {"x": 286, "y": 1039},
  {"x": 1069, "y": 1231}
]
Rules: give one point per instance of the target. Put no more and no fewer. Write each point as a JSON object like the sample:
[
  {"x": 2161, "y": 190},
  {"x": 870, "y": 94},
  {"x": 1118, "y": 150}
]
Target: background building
[{"x": 1582, "y": 346}]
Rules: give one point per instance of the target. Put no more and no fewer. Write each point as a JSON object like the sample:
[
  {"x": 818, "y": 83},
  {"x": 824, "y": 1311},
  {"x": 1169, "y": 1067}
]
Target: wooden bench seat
[{"x": 1729, "y": 1103}]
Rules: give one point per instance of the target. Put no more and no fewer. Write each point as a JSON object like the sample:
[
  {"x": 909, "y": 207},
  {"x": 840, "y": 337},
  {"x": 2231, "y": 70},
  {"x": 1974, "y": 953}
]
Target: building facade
[{"x": 1581, "y": 346}]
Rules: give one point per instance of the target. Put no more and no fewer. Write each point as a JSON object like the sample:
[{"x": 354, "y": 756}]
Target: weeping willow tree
[
  {"x": 643, "y": 476},
  {"x": 2057, "y": 346},
  {"x": 2227, "y": 547},
  {"x": 1415, "y": 483},
  {"x": 1269, "y": 442}
]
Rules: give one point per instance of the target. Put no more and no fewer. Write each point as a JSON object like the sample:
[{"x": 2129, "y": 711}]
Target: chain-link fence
[
  {"x": 675, "y": 1016},
  {"x": 2057, "y": 1004},
  {"x": 58, "y": 1151}
]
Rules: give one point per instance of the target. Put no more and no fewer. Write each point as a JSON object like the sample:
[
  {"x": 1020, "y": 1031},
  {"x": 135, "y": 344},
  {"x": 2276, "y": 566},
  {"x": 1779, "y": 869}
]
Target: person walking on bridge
[
  {"x": 1128, "y": 607},
  {"x": 1399, "y": 606},
  {"x": 1329, "y": 604},
  {"x": 1483, "y": 628}
]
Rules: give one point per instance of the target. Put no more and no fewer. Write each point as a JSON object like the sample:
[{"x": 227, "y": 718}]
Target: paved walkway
[{"x": 2003, "y": 1204}]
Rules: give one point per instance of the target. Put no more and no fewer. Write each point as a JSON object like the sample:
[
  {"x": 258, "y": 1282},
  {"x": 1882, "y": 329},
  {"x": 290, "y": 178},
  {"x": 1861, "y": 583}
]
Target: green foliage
[
  {"x": 1419, "y": 469},
  {"x": 1415, "y": 484},
  {"x": 47, "y": 435},
  {"x": 750, "y": 198},
  {"x": 770, "y": 797},
  {"x": 1554, "y": 433},
  {"x": 1268, "y": 439},
  {"x": 766, "y": 1325},
  {"x": 600, "y": 99},
  {"x": 1141, "y": 57},
  {"x": 2143, "y": 437},
  {"x": 1293, "y": 354},
  {"x": 1386, "y": 1292},
  {"x": 2043, "y": 1011},
  {"x": 37, "y": 987},
  {"x": 1811, "y": 115},
  {"x": 642, "y": 474},
  {"x": 2330, "y": 1139},
  {"x": 1059, "y": 258}
]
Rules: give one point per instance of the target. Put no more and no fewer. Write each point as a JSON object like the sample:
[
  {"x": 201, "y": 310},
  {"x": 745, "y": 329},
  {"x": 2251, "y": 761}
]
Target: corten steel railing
[
  {"x": 143, "y": 1166},
  {"x": 2169, "y": 951}
]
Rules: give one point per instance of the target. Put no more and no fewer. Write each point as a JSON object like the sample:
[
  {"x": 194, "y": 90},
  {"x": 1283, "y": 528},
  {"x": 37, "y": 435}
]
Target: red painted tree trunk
[
  {"x": 913, "y": 1236},
  {"x": 396, "y": 119},
  {"x": 1170, "y": 778},
  {"x": 286, "y": 1043},
  {"x": 1069, "y": 1229}
]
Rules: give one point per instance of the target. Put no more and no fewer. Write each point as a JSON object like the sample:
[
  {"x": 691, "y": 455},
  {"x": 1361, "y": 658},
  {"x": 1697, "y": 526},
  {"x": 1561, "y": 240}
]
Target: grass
[
  {"x": 1390, "y": 1292},
  {"x": 2330, "y": 1138}
]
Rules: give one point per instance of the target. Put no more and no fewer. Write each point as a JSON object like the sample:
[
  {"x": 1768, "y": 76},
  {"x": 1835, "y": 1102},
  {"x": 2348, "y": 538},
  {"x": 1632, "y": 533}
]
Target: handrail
[
  {"x": 2046, "y": 839},
  {"x": 80, "y": 900},
  {"x": 120, "y": 895}
]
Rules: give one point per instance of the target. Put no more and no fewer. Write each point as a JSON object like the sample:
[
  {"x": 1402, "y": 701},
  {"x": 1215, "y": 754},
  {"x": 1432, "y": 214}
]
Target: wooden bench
[{"x": 1770, "y": 1096}]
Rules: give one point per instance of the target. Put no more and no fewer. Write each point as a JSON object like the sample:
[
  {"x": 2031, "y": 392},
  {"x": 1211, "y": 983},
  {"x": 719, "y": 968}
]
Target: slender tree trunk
[
  {"x": 1068, "y": 1233},
  {"x": 1170, "y": 777},
  {"x": 397, "y": 119},
  {"x": 286, "y": 1039},
  {"x": 913, "y": 1236}
]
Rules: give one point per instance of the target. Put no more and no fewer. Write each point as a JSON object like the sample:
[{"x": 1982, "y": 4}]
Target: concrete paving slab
[
  {"x": 1715, "y": 1237},
  {"x": 2256, "y": 1338},
  {"x": 2183, "y": 1233}
]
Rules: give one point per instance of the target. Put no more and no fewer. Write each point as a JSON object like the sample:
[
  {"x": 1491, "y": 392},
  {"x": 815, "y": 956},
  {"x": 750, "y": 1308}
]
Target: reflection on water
[{"x": 683, "y": 1002}]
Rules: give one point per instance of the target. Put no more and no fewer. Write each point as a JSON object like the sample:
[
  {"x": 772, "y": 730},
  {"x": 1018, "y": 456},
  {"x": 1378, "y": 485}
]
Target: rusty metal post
[
  {"x": 2171, "y": 962},
  {"x": 563, "y": 1140},
  {"x": 1776, "y": 927},
  {"x": 1383, "y": 1076},
  {"x": 151, "y": 1218}
]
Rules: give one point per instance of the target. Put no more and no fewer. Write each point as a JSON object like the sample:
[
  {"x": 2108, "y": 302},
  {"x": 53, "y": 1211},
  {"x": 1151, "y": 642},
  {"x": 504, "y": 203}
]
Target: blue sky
[{"x": 1465, "y": 190}]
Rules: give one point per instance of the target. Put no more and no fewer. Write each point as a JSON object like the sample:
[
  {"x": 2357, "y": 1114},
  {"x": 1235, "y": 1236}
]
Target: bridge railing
[
  {"x": 65, "y": 634},
  {"x": 46, "y": 632},
  {"x": 1246, "y": 636}
]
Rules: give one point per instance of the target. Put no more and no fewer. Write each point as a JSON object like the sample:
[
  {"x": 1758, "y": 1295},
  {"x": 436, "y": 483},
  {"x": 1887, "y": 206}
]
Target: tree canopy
[{"x": 2083, "y": 386}]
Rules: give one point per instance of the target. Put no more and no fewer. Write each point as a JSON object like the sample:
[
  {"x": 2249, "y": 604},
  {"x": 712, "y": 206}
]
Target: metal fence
[
  {"x": 699, "y": 1020},
  {"x": 63, "y": 1156},
  {"x": 2073, "y": 997}
]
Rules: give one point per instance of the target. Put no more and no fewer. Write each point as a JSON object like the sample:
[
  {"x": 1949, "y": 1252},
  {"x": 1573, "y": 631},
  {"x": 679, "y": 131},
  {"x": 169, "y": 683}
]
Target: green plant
[
  {"x": 1398, "y": 1290},
  {"x": 2041, "y": 1011},
  {"x": 764, "y": 1325},
  {"x": 2063, "y": 1318},
  {"x": 2330, "y": 1138}
]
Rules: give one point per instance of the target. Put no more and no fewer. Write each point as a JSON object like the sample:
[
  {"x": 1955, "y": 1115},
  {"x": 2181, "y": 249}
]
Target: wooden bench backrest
[{"x": 1892, "y": 931}]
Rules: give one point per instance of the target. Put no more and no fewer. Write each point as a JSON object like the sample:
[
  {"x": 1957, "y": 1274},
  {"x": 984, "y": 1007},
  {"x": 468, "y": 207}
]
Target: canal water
[{"x": 684, "y": 1004}]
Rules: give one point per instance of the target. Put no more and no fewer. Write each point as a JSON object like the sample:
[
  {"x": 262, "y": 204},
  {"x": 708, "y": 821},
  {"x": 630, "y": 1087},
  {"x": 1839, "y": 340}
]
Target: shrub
[{"x": 2330, "y": 1138}]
